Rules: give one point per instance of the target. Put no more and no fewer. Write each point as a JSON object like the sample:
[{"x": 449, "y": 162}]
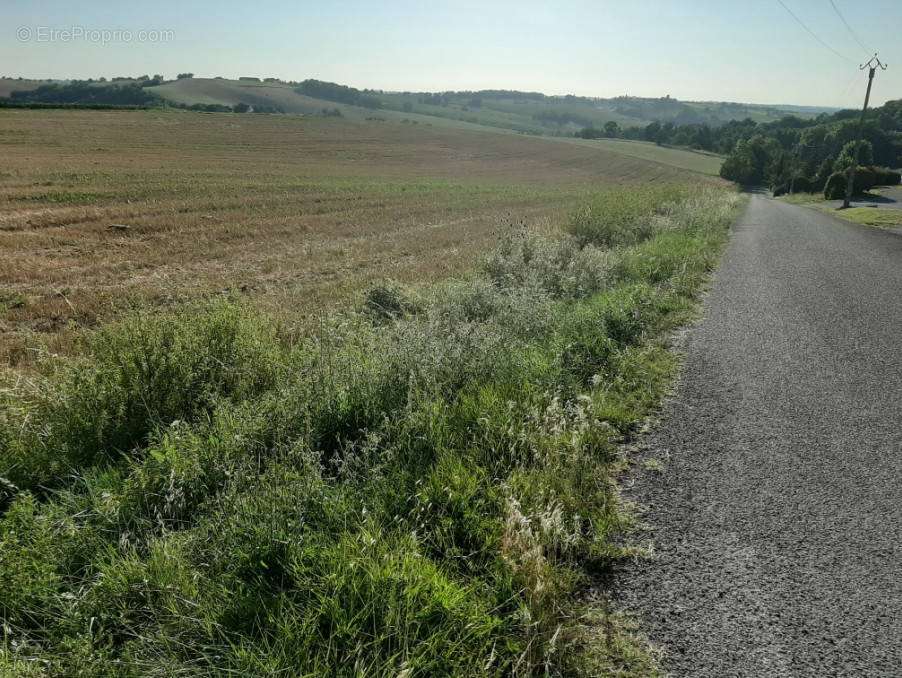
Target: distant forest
[{"x": 118, "y": 94}]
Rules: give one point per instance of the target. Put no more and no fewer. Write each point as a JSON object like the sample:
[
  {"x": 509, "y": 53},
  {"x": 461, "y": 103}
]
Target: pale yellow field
[{"x": 101, "y": 210}]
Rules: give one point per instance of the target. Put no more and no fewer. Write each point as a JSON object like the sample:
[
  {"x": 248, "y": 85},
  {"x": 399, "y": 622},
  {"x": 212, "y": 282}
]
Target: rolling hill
[
  {"x": 10, "y": 85},
  {"x": 617, "y": 124},
  {"x": 508, "y": 110},
  {"x": 527, "y": 112}
]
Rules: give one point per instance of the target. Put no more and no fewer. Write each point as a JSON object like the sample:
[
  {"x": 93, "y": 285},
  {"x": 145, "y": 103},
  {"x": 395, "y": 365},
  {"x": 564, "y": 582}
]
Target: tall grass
[
  {"x": 624, "y": 217},
  {"x": 417, "y": 487}
]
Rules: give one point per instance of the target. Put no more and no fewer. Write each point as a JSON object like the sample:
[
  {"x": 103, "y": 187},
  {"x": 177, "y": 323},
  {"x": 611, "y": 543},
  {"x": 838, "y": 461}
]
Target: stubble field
[{"x": 102, "y": 210}]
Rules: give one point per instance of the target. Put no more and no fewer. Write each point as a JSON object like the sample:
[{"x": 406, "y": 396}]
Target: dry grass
[{"x": 295, "y": 212}]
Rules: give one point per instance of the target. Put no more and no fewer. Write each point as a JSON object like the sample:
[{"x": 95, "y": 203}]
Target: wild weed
[{"x": 415, "y": 488}]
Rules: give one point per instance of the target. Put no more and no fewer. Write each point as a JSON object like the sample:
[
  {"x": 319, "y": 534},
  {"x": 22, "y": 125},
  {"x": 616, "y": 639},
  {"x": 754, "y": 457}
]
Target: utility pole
[{"x": 873, "y": 64}]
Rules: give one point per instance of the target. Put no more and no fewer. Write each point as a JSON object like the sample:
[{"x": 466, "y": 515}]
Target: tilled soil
[{"x": 776, "y": 521}]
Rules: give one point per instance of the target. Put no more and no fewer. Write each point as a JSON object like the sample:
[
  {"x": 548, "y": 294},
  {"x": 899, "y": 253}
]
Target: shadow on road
[{"x": 888, "y": 198}]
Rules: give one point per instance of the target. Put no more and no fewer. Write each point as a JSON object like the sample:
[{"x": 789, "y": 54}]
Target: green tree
[
  {"x": 823, "y": 173},
  {"x": 847, "y": 156},
  {"x": 703, "y": 137},
  {"x": 754, "y": 161}
]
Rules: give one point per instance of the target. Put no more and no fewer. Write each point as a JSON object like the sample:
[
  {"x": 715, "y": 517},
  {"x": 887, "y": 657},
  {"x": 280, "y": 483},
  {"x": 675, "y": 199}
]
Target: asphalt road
[{"x": 777, "y": 519}]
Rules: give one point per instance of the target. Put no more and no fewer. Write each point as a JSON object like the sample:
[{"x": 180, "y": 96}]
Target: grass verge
[
  {"x": 803, "y": 198},
  {"x": 870, "y": 216},
  {"x": 421, "y": 486}
]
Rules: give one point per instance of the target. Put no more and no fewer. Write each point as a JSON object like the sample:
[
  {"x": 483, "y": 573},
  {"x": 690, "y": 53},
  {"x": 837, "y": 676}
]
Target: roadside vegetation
[{"x": 421, "y": 485}]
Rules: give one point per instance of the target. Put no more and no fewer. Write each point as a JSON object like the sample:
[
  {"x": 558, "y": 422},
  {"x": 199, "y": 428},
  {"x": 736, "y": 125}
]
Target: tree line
[
  {"x": 816, "y": 155},
  {"x": 97, "y": 94},
  {"x": 341, "y": 94},
  {"x": 88, "y": 93},
  {"x": 791, "y": 152}
]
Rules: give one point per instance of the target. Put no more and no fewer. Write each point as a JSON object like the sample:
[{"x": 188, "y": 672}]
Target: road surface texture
[{"x": 777, "y": 520}]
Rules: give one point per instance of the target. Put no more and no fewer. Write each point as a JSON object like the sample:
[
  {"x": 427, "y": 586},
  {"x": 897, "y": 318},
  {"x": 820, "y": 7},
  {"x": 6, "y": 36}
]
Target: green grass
[
  {"x": 867, "y": 216},
  {"x": 803, "y": 198},
  {"x": 624, "y": 217},
  {"x": 871, "y": 216},
  {"x": 421, "y": 486},
  {"x": 515, "y": 114},
  {"x": 705, "y": 163}
]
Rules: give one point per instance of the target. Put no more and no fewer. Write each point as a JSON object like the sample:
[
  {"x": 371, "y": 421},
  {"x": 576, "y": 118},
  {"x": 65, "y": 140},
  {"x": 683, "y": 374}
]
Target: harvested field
[{"x": 101, "y": 210}]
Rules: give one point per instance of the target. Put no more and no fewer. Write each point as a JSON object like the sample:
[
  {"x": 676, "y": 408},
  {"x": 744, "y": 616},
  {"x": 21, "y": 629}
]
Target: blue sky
[{"x": 690, "y": 49}]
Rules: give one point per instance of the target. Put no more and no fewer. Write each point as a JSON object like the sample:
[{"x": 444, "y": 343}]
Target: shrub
[
  {"x": 835, "y": 188},
  {"x": 865, "y": 179}
]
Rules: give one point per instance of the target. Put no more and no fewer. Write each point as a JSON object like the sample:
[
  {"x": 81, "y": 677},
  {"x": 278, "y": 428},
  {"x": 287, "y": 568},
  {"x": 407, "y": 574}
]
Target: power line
[
  {"x": 845, "y": 90},
  {"x": 848, "y": 27},
  {"x": 813, "y": 34}
]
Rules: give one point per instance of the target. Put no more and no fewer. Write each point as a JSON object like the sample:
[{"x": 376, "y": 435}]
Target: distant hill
[
  {"x": 525, "y": 112},
  {"x": 801, "y": 111},
  {"x": 10, "y": 85},
  {"x": 530, "y": 112}
]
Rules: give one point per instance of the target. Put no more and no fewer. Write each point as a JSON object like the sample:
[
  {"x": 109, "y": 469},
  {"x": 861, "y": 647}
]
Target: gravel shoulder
[{"x": 776, "y": 523}]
